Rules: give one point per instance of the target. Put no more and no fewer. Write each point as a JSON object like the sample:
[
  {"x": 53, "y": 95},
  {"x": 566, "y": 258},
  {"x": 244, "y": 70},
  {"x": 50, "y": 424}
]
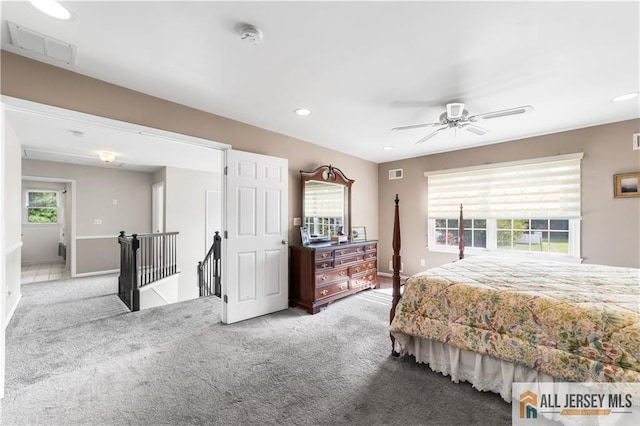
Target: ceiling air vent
[
  {"x": 395, "y": 174},
  {"x": 40, "y": 44}
]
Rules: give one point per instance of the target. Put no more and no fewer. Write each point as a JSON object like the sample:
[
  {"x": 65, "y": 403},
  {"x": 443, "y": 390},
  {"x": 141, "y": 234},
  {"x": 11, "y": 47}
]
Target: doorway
[
  {"x": 157, "y": 207},
  {"x": 48, "y": 229}
]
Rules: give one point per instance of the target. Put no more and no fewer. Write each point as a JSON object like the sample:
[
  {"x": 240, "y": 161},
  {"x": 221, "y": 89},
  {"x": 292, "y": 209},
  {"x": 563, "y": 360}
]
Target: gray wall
[
  {"x": 96, "y": 188},
  {"x": 610, "y": 226},
  {"x": 185, "y": 196}
]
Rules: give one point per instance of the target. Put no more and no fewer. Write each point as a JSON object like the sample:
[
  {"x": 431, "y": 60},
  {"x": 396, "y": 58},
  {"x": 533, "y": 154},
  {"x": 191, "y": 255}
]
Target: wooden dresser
[{"x": 321, "y": 274}]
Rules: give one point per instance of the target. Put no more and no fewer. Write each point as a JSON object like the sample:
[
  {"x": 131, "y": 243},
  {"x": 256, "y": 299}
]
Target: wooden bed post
[
  {"x": 396, "y": 271},
  {"x": 461, "y": 235}
]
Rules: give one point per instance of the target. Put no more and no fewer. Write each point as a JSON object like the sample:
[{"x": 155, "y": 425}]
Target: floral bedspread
[{"x": 574, "y": 322}]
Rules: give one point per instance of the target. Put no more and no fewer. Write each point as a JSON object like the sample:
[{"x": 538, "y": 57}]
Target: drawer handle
[
  {"x": 343, "y": 286},
  {"x": 358, "y": 269},
  {"x": 359, "y": 249},
  {"x": 323, "y": 278},
  {"x": 324, "y": 265},
  {"x": 325, "y": 255},
  {"x": 341, "y": 252},
  {"x": 342, "y": 273},
  {"x": 324, "y": 292}
]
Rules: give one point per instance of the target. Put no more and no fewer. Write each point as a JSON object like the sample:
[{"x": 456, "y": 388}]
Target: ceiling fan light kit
[
  {"x": 455, "y": 111},
  {"x": 456, "y": 117},
  {"x": 251, "y": 34}
]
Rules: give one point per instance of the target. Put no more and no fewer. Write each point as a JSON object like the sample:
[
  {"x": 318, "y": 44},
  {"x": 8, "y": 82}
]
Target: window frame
[
  {"x": 26, "y": 207},
  {"x": 574, "y": 223},
  {"x": 492, "y": 243}
]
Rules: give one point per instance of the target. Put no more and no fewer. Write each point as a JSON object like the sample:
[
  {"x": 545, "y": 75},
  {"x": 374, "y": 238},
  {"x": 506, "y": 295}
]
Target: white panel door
[{"x": 255, "y": 273}]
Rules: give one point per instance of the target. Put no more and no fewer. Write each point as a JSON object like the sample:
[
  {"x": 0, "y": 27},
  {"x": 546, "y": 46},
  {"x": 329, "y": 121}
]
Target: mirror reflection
[
  {"x": 324, "y": 208},
  {"x": 326, "y": 204}
]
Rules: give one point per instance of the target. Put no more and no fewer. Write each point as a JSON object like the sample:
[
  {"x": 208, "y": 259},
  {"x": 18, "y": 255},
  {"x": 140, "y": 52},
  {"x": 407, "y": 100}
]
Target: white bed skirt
[{"x": 484, "y": 372}]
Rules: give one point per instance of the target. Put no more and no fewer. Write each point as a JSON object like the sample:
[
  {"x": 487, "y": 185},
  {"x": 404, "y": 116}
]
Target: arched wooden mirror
[{"x": 326, "y": 203}]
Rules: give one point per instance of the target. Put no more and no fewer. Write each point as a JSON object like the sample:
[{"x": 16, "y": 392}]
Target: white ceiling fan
[{"x": 456, "y": 117}]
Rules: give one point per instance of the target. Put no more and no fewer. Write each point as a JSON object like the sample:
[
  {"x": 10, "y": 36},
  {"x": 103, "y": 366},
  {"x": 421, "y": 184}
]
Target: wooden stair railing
[
  {"x": 144, "y": 259},
  {"x": 209, "y": 281}
]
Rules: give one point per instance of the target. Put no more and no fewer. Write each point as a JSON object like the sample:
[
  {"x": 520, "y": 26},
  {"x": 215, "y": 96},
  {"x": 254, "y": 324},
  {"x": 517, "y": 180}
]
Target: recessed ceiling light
[
  {"x": 387, "y": 148},
  {"x": 302, "y": 112},
  {"x": 51, "y": 8},
  {"x": 625, "y": 97}
]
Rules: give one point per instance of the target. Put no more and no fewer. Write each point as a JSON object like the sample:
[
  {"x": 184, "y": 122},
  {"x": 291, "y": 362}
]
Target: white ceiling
[
  {"x": 71, "y": 137},
  {"x": 363, "y": 67}
]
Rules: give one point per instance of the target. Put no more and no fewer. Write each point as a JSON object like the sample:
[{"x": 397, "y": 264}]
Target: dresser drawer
[
  {"x": 357, "y": 269},
  {"x": 349, "y": 251},
  {"x": 331, "y": 289},
  {"x": 324, "y": 264},
  {"x": 345, "y": 261},
  {"x": 371, "y": 247},
  {"x": 364, "y": 279},
  {"x": 324, "y": 255},
  {"x": 332, "y": 275}
]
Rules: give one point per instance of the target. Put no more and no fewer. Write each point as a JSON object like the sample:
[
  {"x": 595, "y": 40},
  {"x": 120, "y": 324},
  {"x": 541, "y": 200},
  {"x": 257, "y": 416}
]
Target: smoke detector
[{"x": 251, "y": 34}]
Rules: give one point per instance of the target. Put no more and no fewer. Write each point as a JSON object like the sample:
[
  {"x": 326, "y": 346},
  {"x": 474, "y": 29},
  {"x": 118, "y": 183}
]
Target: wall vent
[
  {"x": 395, "y": 174},
  {"x": 42, "y": 45},
  {"x": 636, "y": 141}
]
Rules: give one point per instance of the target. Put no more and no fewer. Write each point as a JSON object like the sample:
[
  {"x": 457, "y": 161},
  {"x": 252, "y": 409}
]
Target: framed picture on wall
[
  {"x": 358, "y": 233},
  {"x": 626, "y": 185}
]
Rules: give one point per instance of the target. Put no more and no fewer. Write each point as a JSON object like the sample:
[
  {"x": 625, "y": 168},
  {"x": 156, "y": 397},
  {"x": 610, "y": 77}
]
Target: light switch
[
  {"x": 297, "y": 221},
  {"x": 97, "y": 221}
]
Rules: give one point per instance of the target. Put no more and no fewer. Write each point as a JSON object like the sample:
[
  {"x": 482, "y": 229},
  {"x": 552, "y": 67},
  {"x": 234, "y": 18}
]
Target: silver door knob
[{"x": 285, "y": 242}]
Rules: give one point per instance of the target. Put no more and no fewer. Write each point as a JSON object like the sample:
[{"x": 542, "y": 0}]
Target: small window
[
  {"x": 475, "y": 232},
  {"x": 41, "y": 206}
]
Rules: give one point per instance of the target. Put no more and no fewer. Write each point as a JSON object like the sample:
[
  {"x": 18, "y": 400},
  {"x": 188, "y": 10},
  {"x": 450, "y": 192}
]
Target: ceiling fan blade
[
  {"x": 416, "y": 126},
  {"x": 432, "y": 134},
  {"x": 502, "y": 113},
  {"x": 476, "y": 130}
]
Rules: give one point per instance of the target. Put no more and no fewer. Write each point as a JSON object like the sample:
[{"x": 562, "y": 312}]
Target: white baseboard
[
  {"x": 90, "y": 274},
  {"x": 390, "y": 275}
]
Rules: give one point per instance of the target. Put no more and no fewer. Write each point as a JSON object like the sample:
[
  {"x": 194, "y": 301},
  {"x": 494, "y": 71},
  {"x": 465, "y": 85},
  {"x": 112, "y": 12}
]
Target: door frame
[
  {"x": 72, "y": 217},
  {"x": 157, "y": 210}
]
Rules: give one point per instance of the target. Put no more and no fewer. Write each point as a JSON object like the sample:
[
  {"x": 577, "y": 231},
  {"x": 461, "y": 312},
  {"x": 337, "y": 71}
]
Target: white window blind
[
  {"x": 323, "y": 200},
  {"x": 544, "y": 188}
]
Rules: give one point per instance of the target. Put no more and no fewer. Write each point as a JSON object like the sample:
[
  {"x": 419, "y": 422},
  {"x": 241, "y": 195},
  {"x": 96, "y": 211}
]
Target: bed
[{"x": 493, "y": 321}]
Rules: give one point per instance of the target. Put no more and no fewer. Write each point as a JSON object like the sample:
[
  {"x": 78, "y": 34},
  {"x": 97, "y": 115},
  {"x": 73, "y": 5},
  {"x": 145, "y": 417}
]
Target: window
[
  {"x": 475, "y": 232},
  {"x": 41, "y": 206},
  {"x": 531, "y": 206},
  {"x": 537, "y": 235}
]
